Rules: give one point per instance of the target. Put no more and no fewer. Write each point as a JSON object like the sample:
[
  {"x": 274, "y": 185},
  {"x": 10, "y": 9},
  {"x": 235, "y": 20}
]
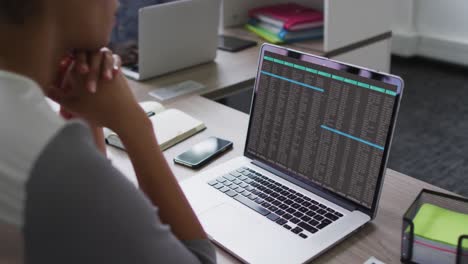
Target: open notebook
[{"x": 171, "y": 126}]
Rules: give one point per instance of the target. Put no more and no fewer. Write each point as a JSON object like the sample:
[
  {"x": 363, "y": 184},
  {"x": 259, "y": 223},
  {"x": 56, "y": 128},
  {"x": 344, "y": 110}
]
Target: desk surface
[{"x": 381, "y": 238}]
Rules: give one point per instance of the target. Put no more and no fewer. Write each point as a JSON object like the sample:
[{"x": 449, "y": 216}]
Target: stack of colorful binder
[{"x": 286, "y": 23}]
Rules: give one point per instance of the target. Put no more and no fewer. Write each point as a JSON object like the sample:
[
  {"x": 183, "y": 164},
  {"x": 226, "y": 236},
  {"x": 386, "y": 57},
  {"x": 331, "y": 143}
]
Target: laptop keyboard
[{"x": 294, "y": 211}]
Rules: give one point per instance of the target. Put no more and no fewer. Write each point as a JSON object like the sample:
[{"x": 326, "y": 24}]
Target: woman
[{"x": 61, "y": 201}]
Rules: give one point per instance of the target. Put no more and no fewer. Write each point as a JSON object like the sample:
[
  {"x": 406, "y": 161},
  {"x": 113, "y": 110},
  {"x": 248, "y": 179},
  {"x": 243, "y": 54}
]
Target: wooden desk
[{"x": 381, "y": 238}]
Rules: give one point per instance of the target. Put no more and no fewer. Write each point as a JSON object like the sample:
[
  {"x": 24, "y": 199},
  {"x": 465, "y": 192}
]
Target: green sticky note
[
  {"x": 324, "y": 74},
  {"x": 440, "y": 225}
]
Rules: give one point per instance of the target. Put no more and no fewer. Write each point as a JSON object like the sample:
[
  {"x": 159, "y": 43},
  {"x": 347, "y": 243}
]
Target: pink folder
[{"x": 290, "y": 16}]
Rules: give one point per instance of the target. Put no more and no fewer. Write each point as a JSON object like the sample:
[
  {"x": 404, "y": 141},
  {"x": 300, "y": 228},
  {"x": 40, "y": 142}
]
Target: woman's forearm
[{"x": 157, "y": 181}]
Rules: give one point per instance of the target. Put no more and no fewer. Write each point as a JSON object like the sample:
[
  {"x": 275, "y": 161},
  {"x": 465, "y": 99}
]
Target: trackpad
[{"x": 246, "y": 233}]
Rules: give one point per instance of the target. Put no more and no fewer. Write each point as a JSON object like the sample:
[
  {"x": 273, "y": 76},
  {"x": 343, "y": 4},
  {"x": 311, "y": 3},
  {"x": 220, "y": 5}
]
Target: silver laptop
[
  {"x": 312, "y": 172},
  {"x": 174, "y": 36}
]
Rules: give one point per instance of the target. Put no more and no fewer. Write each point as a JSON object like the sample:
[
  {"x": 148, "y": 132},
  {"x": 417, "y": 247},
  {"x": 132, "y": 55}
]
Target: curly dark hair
[{"x": 16, "y": 11}]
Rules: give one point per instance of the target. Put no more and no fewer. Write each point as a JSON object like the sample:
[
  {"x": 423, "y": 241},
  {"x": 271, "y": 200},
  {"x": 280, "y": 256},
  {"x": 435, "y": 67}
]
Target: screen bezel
[{"x": 350, "y": 69}]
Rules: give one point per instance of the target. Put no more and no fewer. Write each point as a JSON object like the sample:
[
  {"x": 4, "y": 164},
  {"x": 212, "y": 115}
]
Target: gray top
[{"x": 80, "y": 209}]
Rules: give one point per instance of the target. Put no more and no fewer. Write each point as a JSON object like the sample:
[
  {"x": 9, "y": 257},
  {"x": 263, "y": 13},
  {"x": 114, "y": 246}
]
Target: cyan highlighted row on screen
[{"x": 335, "y": 77}]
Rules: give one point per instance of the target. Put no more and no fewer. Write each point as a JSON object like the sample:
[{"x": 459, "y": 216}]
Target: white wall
[{"x": 431, "y": 28}]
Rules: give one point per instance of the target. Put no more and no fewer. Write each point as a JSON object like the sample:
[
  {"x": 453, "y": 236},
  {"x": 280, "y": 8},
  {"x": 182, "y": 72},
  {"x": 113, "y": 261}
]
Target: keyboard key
[
  {"x": 281, "y": 198},
  {"x": 248, "y": 180},
  {"x": 273, "y": 208},
  {"x": 240, "y": 170},
  {"x": 314, "y": 202},
  {"x": 283, "y": 206},
  {"x": 280, "y": 212},
  {"x": 249, "y": 188},
  {"x": 326, "y": 221},
  {"x": 246, "y": 173},
  {"x": 299, "y": 200},
  {"x": 322, "y": 206},
  {"x": 240, "y": 190},
  {"x": 308, "y": 227},
  {"x": 295, "y": 205},
  {"x": 305, "y": 218},
  {"x": 306, "y": 204},
  {"x": 294, "y": 220},
  {"x": 321, "y": 211},
  {"x": 287, "y": 216},
  {"x": 297, "y": 230},
  {"x": 266, "y": 204},
  {"x": 246, "y": 193},
  {"x": 259, "y": 200},
  {"x": 288, "y": 202},
  {"x": 243, "y": 184},
  {"x": 213, "y": 182},
  {"x": 231, "y": 193},
  {"x": 292, "y": 191},
  {"x": 221, "y": 179},
  {"x": 292, "y": 196},
  {"x": 234, "y": 186},
  {"x": 237, "y": 181},
  {"x": 273, "y": 217},
  {"x": 227, "y": 183},
  {"x": 281, "y": 221},
  {"x": 218, "y": 185},
  {"x": 287, "y": 227},
  {"x": 313, "y": 222},
  {"x": 268, "y": 191},
  {"x": 229, "y": 177},
  {"x": 318, "y": 217},
  {"x": 313, "y": 207},
  {"x": 243, "y": 178},
  {"x": 298, "y": 214},
  {"x": 300, "y": 194},
  {"x": 338, "y": 214},
  {"x": 304, "y": 236},
  {"x": 285, "y": 193},
  {"x": 273, "y": 194},
  {"x": 290, "y": 210},
  {"x": 252, "y": 205},
  {"x": 269, "y": 199},
  {"x": 330, "y": 210},
  {"x": 331, "y": 216},
  {"x": 311, "y": 213},
  {"x": 307, "y": 198},
  {"x": 276, "y": 202},
  {"x": 235, "y": 174},
  {"x": 303, "y": 209},
  {"x": 225, "y": 189},
  {"x": 252, "y": 196}
]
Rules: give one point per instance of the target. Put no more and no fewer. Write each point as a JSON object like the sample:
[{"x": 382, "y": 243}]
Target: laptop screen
[{"x": 323, "y": 126}]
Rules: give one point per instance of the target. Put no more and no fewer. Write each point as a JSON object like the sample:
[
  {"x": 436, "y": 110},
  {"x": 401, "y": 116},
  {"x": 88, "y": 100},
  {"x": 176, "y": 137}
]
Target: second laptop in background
[{"x": 175, "y": 36}]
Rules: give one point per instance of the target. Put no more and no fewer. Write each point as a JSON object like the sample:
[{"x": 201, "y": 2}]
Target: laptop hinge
[{"x": 316, "y": 190}]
